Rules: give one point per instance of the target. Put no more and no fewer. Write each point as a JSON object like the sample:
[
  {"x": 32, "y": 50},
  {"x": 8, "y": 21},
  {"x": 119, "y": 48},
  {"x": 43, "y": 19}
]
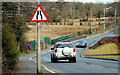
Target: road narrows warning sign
[{"x": 39, "y": 15}]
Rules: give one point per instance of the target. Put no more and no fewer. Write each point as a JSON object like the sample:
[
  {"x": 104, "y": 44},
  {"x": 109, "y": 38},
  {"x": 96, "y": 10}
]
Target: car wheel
[
  {"x": 77, "y": 46},
  {"x": 74, "y": 60},
  {"x": 54, "y": 60},
  {"x": 70, "y": 60}
]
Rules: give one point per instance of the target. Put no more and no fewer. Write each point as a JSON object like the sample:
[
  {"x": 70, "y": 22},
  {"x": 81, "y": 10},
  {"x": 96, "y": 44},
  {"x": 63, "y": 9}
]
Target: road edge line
[{"x": 42, "y": 64}]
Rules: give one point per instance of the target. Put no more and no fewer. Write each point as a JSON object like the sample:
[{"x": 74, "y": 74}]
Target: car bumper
[
  {"x": 80, "y": 45},
  {"x": 65, "y": 58}
]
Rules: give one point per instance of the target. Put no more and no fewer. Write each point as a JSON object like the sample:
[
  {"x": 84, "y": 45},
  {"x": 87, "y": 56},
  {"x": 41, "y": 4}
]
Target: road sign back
[{"x": 39, "y": 15}]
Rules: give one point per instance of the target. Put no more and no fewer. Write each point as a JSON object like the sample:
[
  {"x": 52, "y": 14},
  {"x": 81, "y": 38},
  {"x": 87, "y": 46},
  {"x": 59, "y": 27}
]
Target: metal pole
[
  {"x": 34, "y": 36},
  {"x": 44, "y": 34},
  {"x": 104, "y": 17},
  {"x": 38, "y": 48},
  {"x": 34, "y": 31}
]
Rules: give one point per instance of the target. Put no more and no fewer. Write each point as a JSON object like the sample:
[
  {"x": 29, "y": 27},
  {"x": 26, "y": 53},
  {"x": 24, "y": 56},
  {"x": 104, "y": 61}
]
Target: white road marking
[
  {"x": 81, "y": 55},
  {"x": 46, "y": 52},
  {"x": 47, "y": 69},
  {"x": 42, "y": 64},
  {"x": 105, "y": 67},
  {"x": 99, "y": 65}
]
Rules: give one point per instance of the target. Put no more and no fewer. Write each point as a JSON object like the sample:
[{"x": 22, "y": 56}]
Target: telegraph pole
[
  {"x": 115, "y": 15},
  {"x": 91, "y": 21},
  {"x": 38, "y": 47},
  {"x": 104, "y": 17}
]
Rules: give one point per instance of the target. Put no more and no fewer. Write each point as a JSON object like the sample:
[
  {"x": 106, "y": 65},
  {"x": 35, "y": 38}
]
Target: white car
[{"x": 63, "y": 51}]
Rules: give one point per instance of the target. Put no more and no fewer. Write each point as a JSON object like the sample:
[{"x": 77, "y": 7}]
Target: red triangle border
[{"x": 43, "y": 13}]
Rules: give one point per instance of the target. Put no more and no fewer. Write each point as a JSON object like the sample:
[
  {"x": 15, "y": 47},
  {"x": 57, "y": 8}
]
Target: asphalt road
[{"x": 83, "y": 65}]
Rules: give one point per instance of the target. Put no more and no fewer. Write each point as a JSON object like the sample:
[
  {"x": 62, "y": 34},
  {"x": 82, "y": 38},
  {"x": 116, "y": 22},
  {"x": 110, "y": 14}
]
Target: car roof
[
  {"x": 82, "y": 41},
  {"x": 63, "y": 43}
]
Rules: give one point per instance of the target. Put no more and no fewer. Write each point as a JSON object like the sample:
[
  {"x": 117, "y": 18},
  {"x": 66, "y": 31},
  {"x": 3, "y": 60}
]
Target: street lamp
[{"x": 104, "y": 16}]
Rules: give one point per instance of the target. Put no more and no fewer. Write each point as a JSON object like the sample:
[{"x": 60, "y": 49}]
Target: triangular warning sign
[{"x": 39, "y": 15}]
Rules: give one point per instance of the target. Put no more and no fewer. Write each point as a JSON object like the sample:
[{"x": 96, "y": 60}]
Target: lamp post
[{"x": 104, "y": 16}]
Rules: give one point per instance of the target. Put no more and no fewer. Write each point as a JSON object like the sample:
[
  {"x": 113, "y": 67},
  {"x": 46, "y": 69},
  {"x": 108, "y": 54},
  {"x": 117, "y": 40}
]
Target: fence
[
  {"x": 75, "y": 38},
  {"x": 53, "y": 41},
  {"x": 34, "y": 44},
  {"x": 47, "y": 39}
]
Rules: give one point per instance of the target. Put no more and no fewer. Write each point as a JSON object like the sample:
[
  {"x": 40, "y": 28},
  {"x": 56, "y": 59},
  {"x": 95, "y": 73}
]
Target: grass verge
[
  {"x": 26, "y": 52},
  {"x": 101, "y": 30},
  {"x": 106, "y": 57},
  {"x": 110, "y": 48}
]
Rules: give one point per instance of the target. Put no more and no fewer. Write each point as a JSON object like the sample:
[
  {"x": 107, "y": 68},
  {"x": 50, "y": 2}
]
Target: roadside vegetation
[
  {"x": 74, "y": 19},
  {"x": 119, "y": 42},
  {"x": 26, "y": 53},
  {"x": 13, "y": 28},
  {"x": 71, "y": 18},
  {"x": 107, "y": 51}
]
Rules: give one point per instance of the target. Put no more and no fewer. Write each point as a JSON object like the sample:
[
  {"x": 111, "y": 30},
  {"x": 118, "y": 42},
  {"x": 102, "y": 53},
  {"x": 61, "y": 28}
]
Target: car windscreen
[
  {"x": 64, "y": 45},
  {"x": 82, "y": 41}
]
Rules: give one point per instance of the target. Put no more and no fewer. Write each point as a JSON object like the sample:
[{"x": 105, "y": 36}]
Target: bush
[
  {"x": 119, "y": 41},
  {"x": 84, "y": 20},
  {"x": 23, "y": 44},
  {"x": 70, "y": 23},
  {"x": 80, "y": 23},
  {"x": 119, "y": 46},
  {"x": 10, "y": 50}
]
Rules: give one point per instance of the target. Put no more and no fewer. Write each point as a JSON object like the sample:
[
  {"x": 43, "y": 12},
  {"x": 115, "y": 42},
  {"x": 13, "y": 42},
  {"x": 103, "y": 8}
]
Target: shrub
[
  {"x": 83, "y": 20},
  {"x": 80, "y": 23},
  {"x": 70, "y": 23},
  {"x": 10, "y": 50},
  {"x": 116, "y": 41}
]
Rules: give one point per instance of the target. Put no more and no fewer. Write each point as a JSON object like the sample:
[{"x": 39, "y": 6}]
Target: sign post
[
  {"x": 39, "y": 16},
  {"x": 38, "y": 49}
]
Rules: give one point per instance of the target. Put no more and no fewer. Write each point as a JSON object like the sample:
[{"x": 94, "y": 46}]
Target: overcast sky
[{"x": 93, "y": 1}]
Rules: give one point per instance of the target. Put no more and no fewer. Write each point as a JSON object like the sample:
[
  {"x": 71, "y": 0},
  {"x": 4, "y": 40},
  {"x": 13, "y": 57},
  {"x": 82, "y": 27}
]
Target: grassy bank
[{"x": 110, "y": 48}]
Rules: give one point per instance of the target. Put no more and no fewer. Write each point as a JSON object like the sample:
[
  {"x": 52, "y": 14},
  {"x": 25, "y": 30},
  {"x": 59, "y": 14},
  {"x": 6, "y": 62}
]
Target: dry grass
[
  {"x": 26, "y": 53},
  {"x": 107, "y": 57},
  {"x": 110, "y": 48},
  {"x": 54, "y": 31}
]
